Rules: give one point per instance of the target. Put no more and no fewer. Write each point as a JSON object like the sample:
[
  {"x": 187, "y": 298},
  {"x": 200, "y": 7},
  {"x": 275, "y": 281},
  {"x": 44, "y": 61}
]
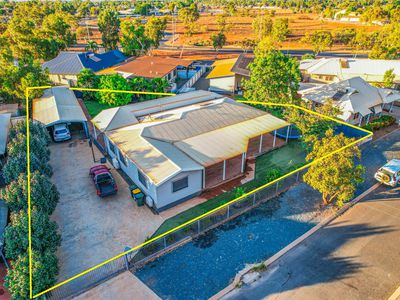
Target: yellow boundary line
[{"x": 369, "y": 134}]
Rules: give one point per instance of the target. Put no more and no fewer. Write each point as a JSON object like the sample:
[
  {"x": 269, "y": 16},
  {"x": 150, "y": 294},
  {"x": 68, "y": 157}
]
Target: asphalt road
[{"x": 357, "y": 256}]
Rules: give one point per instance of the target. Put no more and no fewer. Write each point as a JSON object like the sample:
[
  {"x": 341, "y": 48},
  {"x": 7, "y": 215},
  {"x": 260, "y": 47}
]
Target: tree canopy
[{"x": 108, "y": 23}]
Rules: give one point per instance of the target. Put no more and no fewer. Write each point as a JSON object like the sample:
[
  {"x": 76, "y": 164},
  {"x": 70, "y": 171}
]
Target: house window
[
  {"x": 111, "y": 146},
  {"x": 142, "y": 178},
  {"x": 122, "y": 158},
  {"x": 180, "y": 184},
  {"x": 356, "y": 116}
]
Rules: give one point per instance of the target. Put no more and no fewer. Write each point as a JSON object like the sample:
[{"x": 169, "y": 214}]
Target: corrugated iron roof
[
  {"x": 222, "y": 68},
  {"x": 218, "y": 145},
  {"x": 57, "y": 105}
]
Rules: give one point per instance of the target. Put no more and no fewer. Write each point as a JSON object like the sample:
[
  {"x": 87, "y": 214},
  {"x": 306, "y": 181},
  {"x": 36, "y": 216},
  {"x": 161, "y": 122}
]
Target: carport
[{"x": 58, "y": 105}]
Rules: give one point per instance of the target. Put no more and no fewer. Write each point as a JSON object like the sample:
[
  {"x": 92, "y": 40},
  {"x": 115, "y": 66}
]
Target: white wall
[
  {"x": 165, "y": 196},
  {"x": 222, "y": 84}
]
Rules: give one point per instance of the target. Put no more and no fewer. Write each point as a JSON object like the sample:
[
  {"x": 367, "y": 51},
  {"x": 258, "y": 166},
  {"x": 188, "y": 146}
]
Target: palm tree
[{"x": 92, "y": 46}]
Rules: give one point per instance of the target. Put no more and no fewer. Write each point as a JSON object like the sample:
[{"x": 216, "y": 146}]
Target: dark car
[{"x": 103, "y": 180}]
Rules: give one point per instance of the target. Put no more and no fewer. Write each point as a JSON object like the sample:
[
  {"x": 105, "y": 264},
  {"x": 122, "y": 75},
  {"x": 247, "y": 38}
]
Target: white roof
[
  {"x": 393, "y": 165},
  {"x": 190, "y": 136},
  {"x": 4, "y": 130},
  {"x": 57, "y": 105},
  {"x": 369, "y": 69},
  {"x": 354, "y": 95}
]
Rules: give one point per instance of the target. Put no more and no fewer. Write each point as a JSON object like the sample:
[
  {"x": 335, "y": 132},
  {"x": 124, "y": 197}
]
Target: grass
[
  {"x": 284, "y": 160},
  {"x": 95, "y": 107}
]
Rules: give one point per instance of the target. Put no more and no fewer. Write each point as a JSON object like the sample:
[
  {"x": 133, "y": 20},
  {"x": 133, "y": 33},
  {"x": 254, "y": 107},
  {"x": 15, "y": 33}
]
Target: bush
[
  {"x": 44, "y": 273},
  {"x": 381, "y": 122},
  {"x": 273, "y": 174},
  {"x": 38, "y": 146},
  {"x": 17, "y": 165},
  {"x": 44, "y": 194},
  {"x": 36, "y": 129},
  {"x": 44, "y": 234}
]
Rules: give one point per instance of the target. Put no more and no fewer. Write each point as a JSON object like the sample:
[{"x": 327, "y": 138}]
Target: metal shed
[{"x": 59, "y": 105}]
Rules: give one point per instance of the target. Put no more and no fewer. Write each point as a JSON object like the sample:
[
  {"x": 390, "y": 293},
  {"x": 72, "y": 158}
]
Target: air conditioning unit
[
  {"x": 149, "y": 201},
  {"x": 115, "y": 163}
]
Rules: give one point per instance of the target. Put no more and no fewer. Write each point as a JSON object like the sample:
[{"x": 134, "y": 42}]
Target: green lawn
[
  {"x": 94, "y": 107},
  {"x": 283, "y": 160}
]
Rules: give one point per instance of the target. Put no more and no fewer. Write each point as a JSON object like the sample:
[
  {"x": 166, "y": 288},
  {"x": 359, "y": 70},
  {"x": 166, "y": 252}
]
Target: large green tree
[
  {"x": 320, "y": 40},
  {"x": 108, "y": 23},
  {"x": 189, "y": 15},
  {"x": 88, "y": 79},
  {"x": 133, "y": 38},
  {"x": 274, "y": 77},
  {"x": 262, "y": 26},
  {"x": 38, "y": 146},
  {"x": 44, "y": 234},
  {"x": 44, "y": 194},
  {"x": 337, "y": 176},
  {"x": 36, "y": 129},
  {"x": 155, "y": 28},
  {"x": 114, "y": 82}
]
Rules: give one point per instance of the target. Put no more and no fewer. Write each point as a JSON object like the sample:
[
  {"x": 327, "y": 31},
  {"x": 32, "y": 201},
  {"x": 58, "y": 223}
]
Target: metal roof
[
  {"x": 4, "y": 130},
  {"x": 57, "y": 105},
  {"x": 71, "y": 63},
  {"x": 222, "y": 68},
  {"x": 114, "y": 118},
  {"x": 206, "y": 117},
  {"x": 354, "y": 95},
  {"x": 190, "y": 134},
  {"x": 215, "y": 146}
]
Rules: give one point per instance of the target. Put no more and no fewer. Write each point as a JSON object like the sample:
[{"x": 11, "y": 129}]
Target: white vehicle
[
  {"x": 389, "y": 174},
  {"x": 61, "y": 133}
]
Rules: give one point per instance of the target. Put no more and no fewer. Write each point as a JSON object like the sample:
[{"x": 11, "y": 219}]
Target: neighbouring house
[
  {"x": 221, "y": 77},
  {"x": 155, "y": 67},
  {"x": 175, "y": 147},
  {"x": 327, "y": 70},
  {"x": 10, "y": 108},
  {"x": 358, "y": 100},
  {"x": 5, "y": 123},
  {"x": 58, "y": 105},
  {"x": 66, "y": 66}
]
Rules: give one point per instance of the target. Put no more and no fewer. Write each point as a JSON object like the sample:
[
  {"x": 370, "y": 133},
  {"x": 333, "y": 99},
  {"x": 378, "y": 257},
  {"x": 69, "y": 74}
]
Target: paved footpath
[{"x": 357, "y": 256}]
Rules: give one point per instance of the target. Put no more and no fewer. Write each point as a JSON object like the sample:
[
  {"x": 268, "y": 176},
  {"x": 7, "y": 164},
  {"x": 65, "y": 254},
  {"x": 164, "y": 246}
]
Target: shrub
[
  {"x": 44, "y": 273},
  {"x": 38, "y": 146},
  {"x": 44, "y": 234},
  {"x": 44, "y": 194},
  {"x": 379, "y": 123},
  {"x": 273, "y": 174},
  {"x": 36, "y": 129},
  {"x": 16, "y": 165}
]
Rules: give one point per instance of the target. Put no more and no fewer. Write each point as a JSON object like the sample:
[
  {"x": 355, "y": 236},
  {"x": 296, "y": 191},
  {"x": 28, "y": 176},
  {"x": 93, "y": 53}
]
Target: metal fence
[{"x": 168, "y": 242}]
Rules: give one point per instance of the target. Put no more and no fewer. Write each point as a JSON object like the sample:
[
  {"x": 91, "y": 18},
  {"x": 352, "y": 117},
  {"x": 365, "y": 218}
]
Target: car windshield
[
  {"x": 61, "y": 131},
  {"x": 387, "y": 172},
  {"x": 101, "y": 178}
]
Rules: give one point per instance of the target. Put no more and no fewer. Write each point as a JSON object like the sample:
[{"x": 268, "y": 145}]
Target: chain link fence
[{"x": 170, "y": 241}]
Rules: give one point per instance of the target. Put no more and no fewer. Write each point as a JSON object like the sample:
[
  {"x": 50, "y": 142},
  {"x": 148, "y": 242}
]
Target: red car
[{"x": 103, "y": 180}]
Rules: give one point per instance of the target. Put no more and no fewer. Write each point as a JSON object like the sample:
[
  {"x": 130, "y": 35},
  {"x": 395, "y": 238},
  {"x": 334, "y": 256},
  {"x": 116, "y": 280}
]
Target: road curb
[{"x": 295, "y": 243}]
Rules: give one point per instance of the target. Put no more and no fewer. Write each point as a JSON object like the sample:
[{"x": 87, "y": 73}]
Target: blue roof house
[{"x": 66, "y": 66}]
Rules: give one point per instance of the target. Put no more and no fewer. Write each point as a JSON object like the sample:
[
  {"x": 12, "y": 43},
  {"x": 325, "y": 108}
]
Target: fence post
[
  {"x": 277, "y": 186},
  {"x": 254, "y": 199},
  {"x": 126, "y": 258},
  {"x": 297, "y": 176},
  {"x": 228, "y": 212},
  {"x": 165, "y": 242},
  {"x": 198, "y": 226}
]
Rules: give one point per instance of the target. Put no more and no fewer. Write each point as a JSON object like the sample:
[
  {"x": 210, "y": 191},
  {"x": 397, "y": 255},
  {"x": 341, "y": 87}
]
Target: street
[{"x": 354, "y": 257}]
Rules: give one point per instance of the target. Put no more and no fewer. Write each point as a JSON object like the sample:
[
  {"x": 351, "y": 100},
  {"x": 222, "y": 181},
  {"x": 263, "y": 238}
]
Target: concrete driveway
[{"x": 93, "y": 229}]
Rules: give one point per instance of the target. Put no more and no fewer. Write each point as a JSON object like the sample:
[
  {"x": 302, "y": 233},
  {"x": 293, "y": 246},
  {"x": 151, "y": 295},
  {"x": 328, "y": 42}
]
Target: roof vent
[{"x": 344, "y": 63}]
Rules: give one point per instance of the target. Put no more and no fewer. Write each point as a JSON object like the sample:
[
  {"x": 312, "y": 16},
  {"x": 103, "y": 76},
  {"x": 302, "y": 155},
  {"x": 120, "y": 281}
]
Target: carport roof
[
  {"x": 4, "y": 129},
  {"x": 57, "y": 105}
]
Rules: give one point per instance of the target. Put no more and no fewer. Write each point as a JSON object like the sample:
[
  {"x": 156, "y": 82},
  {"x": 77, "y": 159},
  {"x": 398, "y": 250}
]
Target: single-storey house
[
  {"x": 221, "y": 77},
  {"x": 358, "y": 100},
  {"x": 175, "y": 147},
  {"x": 154, "y": 67},
  {"x": 327, "y": 70},
  {"x": 64, "y": 68},
  {"x": 58, "y": 105},
  {"x": 5, "y": 122}
]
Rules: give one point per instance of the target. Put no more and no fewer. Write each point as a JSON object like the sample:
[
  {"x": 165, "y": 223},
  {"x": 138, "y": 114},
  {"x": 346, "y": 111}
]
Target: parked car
[
  {"x": 61, "y": 133},
  {"x": 389, "y": 174},
  {"x": 103, "y": 180}
]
